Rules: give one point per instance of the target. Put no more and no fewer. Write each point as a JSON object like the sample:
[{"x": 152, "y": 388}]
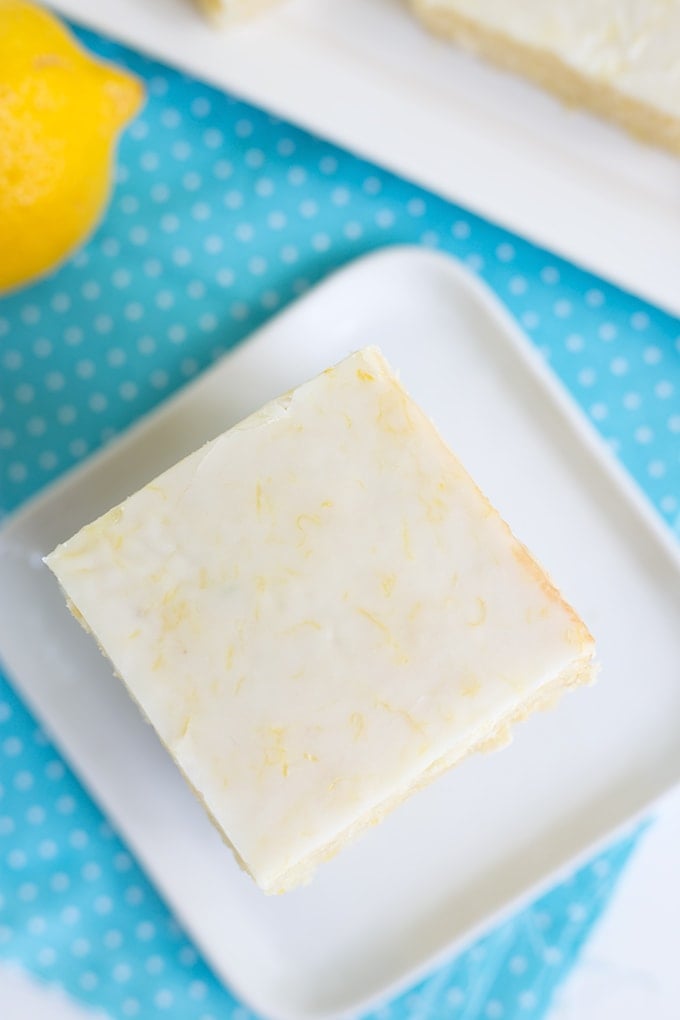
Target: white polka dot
[
  {"x": 134, "y": 895},
  {"x": 631, "y": 401},
  {"x": 47, "y": 956},
  {"x": 160, "y": 193},
  {"x": 23, "y": 780},
  {"x": 213, "y": 244},
  {"x": 562, "y": 309},
  {"x": 159, "y": 379},
  {"x": 121, "y": 973},
  {"x": 149, "y": 161},
  {"x": 103, "y": 324},
  {"x": 225, "y": 277},
  {"x": 36, "y": 426},
  {"x": 300, "y": 285},
  {"x": 270, "y": 300},
  {"x": 208, "y": 322},
  {"x": 78, "y": 839},
  {"x": 60, "y": 881},
  {"x": 37, "y": 925},
  {"x": 212, "y": 138},
  {"x": 91, "y": 871},
  {"x": 372, "y": 185},
  {"x": 169, "y": 223},
  {"x": 35, "y": 814},
  {"x": 4, "y": 327},
  {"x": 664, "y": 389},
  {"x": 16, "y": 859},
  {"x": 430, "y": 239},
  {"x": 384, "y": 218},
  {"x": 239, "y": 311},
  {"x": 587, "y": 376},
  {"x": 599, "y": 411},
  {"x": 12, "y": 746},
  {"x": 460, "y": 230},
  {"x": 7, "y": 439},
  {"x": 476, "y": 263},
  {"x": 308, "y": 208},
  {"x": 321, "y": 242},
  {"x": 134, "y": 311},
  {"x": 152, "y": 267},
  {"x": 340, "y": 196},
  {"x": 48, "y": 849},
  {"x": 129, "y": 204},
  {"x": 494, "y": 1009},
  {"x": 139, "y": 236},
  {"x": 296, "y": 176},
  {"x": 42, "y": 347},
  {"x": 353, "y": 230},
  {"x": 594, "y": 298},
  {"x": 188, "y": 367},
  {"x": 527, "y": 1000},
  {"x": 78, "y": 447},
  {"x": 196, "y": 289},
  {"x": 121, "y": 278},
  {"x": 154, "y": 965},
  {"x": 60, "y": 302},
  {"x": 165, "y": 299},
  {"x": 639, "y": 320},
  {"x": 244, "y": 232},
  {"x": 30, "y": 314},
  {"x": 177, "y": 333},
  {"x": 145, "y": 931},
  {"x": 656, "y": 469},
  {"x": 618, "y": 366},
  {"x": 7, "y": 825},
  {"x": 65, "y": 805},
  {"x": 505, "y": 252},
  {"x": 158, "y": 85},
  {"x": 181, "y": 150},
  {"x": 328, "y": 165},
  {"x": 170, "y": 118},
  {"x": 139, "y": 129},
  {"x": 121, "y": 174},
  {"x": 73, "y": 336},
  {"x": 233, "y": 199},
  {"x": 103, "y": 905},
  {"x": 110, "y": 247},
  {"x": 88, "y": 980},
  {"x": 116, "y": 357},
  {"x": 277, "y": 220},
  {"x": 48, "y": 460},
  {"x": 27, "y": 892},
  {"x": 223, "y": 169},
  {"x": 5, "y": 712},
  {"x": 652, "y": 355},
  {"x": 113, "y": 939},
  {"x": 198, "y": 991},
  {"x": 577, "y": 913},
  {"x": 17, "y": 472},
  {"x": 643, "y": 434},
  {"x": 669, "y": 504},
  {"x": 200, "y": 107},
  {"x": 289, "y": 254},
  {"x": 12, "y": 360},
  {"x": 85, "y": 368},
  {"x": 66, "y": 414},
  {"x": 517, "y": 285},
  {"x": 24, "y": 393},
  {"x": 146, "y": 345},
  {"x": 98, "y": 402},
  {"x": 81, "y": 259},
  {"x": 130, "y": 1007},
  {"x": 455, "y": 996},
  {"x": 518, "y": 964},
  {"x": 163, "y": 998},
  {"x": 254, "y": 159},
  {"x": 187, "y": 956},
  {"x": 284, "y": 147},
  {"x": 674, "y": 423},
  {"x": 530, "y": 319},
  {"x": 181, "y": 256}
]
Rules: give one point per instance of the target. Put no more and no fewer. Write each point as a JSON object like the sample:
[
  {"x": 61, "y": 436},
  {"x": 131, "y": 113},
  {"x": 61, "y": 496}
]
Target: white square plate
[{"x": 493, "y": 830}]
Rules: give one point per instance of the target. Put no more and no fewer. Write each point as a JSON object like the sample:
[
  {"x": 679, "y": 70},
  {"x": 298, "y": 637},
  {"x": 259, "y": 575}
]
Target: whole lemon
[{"x": 60, "y": 116}]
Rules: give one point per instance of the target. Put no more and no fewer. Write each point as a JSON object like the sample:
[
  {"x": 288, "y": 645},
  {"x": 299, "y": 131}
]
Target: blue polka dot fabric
[{"x": 222, "y": 215}]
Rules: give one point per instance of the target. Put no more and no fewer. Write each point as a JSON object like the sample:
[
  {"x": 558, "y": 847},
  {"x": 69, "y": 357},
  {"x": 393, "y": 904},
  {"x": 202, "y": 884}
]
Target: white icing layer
[
  {"x": 314, "y": 608},
  {"x": 633, "y": 45}
]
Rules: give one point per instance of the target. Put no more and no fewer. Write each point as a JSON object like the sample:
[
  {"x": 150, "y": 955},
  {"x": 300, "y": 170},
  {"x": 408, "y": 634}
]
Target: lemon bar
[
  {"x": 319, "y": 611},
  {"x": 619, "y": 58}
]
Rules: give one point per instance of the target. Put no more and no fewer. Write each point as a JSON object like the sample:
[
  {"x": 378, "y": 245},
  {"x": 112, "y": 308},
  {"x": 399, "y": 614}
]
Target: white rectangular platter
[
  {"x": 366, "y": 75},
  {"x": 492, "y": 831}
]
